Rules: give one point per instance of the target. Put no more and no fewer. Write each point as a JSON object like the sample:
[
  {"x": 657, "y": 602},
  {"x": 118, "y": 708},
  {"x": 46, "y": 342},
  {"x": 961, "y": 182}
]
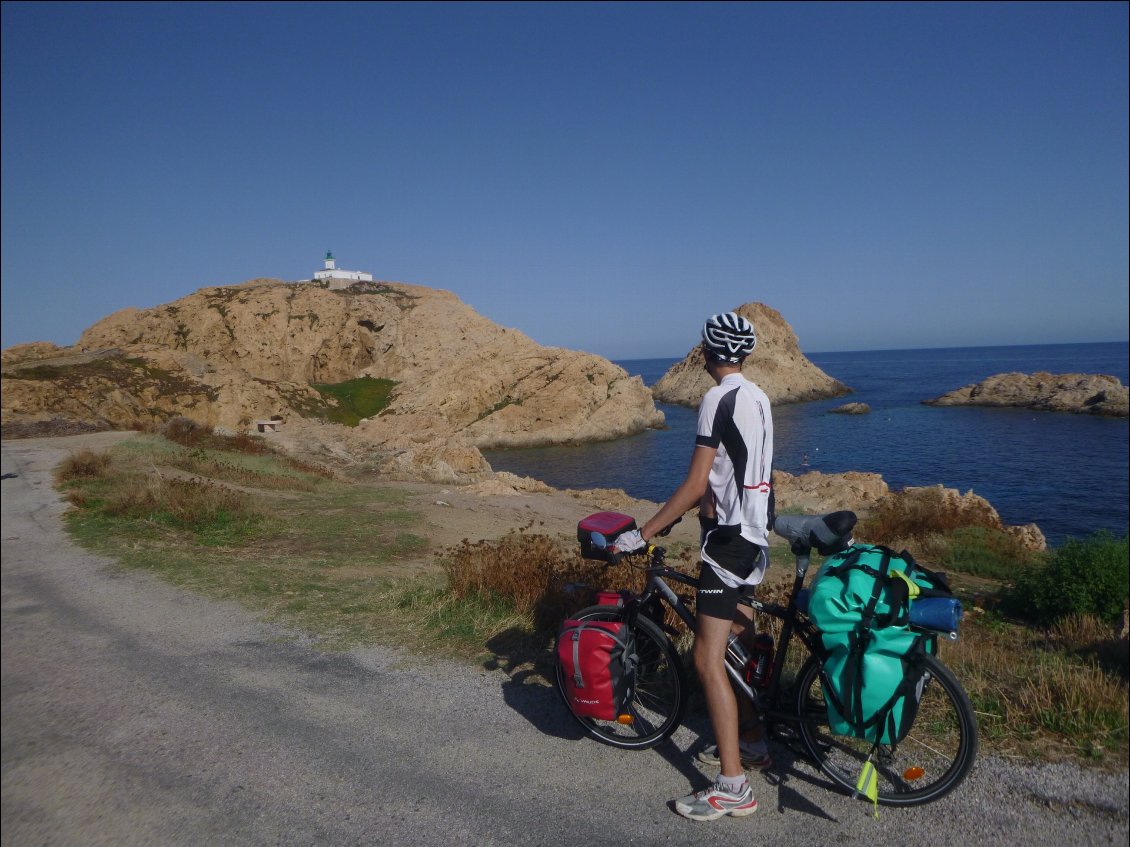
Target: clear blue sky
[{"x": 600, "y": 176}]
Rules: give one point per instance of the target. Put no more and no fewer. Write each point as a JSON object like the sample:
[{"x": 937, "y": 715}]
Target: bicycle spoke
[
  {"x": 935, "y": 756},
  {"x": 657, "y": 703}
]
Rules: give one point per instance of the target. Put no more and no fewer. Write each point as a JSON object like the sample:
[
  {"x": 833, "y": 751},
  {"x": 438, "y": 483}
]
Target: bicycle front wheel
[
  {"x": 933, "y": 759},
  {"x": 659, "y": 697}
]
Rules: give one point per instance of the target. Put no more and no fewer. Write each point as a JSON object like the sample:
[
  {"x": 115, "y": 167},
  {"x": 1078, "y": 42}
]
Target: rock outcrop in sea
[
  {"x": 1088, "y": 394},
  {"x": 851, "y": 409},
  {"x": 777, "y": 365},
  {"x": 231, "y": 355}
]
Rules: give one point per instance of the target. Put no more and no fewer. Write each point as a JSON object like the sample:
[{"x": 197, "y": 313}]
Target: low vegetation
[
  {"x": 353, "y": 400},
  {"x": 127, "y": 373},
  {"x": 349, "y": 562},
  {"x": 1087, "y": 576},
  {"x": 967, "y": 539}
]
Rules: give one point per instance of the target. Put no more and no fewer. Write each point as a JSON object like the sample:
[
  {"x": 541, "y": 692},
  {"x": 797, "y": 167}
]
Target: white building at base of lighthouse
[{"x": 336, "y": 278}]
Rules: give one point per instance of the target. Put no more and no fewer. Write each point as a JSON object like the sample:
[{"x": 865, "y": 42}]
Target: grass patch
[
  {"x": 978, "y": 551},
  {"x": 350, "y": 401},
  {"x": 323, "y": 555},
  {"x": 1043, "y": 694}
]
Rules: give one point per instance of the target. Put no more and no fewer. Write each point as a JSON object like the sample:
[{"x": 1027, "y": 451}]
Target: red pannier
[{"x": 598, "y": 662}]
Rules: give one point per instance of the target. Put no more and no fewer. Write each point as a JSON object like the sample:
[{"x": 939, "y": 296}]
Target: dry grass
[
  {"x": 84, "y": 464},
  {"x": 921, "y": 512},
  {"x": 1043, "y": 694},
  {"x": 201, "y": 463},
  {"x": 1053, "y": 694},
  {"x": 944, "y": 533},
  {"x": 191, "y": 503},
  {"x": 538, "y": 576}
]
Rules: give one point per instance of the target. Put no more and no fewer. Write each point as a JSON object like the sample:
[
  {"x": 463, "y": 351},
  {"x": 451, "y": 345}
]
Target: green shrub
[
  {"x": 982, "y": 551},
  {"x": 1088, "y": 576}
]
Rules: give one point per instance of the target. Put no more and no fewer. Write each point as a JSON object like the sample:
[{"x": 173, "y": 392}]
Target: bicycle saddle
[{"x": 829, "y": 533}]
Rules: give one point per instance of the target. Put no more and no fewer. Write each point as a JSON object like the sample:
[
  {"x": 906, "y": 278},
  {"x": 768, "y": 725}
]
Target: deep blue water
[{"x": 1070, "y": 474}]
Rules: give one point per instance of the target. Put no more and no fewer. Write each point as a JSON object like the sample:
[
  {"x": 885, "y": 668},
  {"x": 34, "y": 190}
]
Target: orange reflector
[
  {"x": 911, "y": 774},
  {"x": 625, "y": 719}
]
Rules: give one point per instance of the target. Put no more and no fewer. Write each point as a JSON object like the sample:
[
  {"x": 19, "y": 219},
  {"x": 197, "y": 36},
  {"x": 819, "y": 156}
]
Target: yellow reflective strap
[
  {"x": 912, "y": 589},
  {"x": 868, "y": 785}
]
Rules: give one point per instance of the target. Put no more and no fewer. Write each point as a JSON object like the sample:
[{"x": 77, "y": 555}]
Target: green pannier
[{"x": 873, "y": 672}]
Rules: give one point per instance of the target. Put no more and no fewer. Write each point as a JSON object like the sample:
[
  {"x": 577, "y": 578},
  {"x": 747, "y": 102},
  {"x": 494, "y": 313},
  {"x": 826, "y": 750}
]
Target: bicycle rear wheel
[
  {"x": 933, "y": 759},
  {"x": 659, "y": 698}
]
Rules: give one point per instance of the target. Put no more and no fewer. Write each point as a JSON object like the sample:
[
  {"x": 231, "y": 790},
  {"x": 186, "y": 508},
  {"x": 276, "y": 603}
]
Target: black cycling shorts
[{"x": 716, "y": 599}]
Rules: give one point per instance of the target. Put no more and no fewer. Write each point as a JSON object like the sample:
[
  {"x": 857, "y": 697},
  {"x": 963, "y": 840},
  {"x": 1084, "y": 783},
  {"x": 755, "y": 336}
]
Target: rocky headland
[
  {"x": 1087, "y": 394},
  {"x": 777, "y": 365},
  {"x": 229, "y": 356}
]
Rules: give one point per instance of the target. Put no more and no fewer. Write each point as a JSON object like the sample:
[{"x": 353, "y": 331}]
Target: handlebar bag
[
  {"x": 598, "y": 662},
  {"x": 608, "y": 524},
  {"x": 874, "y": 670}
]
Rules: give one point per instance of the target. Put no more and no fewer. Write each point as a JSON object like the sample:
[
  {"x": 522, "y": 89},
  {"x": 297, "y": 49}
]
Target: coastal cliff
[{"x": 777, "y": 365}]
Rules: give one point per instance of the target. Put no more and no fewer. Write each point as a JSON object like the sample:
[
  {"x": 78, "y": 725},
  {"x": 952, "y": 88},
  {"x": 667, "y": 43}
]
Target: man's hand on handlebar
[{"x": 629, "y": 542}]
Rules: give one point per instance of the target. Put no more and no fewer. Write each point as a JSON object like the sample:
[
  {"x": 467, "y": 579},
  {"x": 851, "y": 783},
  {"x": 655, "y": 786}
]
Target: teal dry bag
[{"x": 873, "y": 671}]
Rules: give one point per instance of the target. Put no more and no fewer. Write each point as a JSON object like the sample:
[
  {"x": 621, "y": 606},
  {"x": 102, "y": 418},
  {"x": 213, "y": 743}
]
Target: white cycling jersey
[{"x": 734, "y": 417}]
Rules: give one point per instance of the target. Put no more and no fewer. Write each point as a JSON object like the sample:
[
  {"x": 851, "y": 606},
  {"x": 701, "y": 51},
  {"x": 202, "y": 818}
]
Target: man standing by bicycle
[{"x": 729, "y": 480}]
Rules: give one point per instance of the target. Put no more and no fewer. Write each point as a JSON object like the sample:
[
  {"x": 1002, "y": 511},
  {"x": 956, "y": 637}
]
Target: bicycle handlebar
[{"x": 827, "y": 534}]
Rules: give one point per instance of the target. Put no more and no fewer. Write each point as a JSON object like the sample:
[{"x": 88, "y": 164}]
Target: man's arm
[{"x": 689, "y": 493}]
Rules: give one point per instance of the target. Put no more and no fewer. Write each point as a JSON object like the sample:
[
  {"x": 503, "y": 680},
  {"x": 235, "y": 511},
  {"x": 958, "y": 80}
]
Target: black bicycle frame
[{"x": 767, "y": 702}]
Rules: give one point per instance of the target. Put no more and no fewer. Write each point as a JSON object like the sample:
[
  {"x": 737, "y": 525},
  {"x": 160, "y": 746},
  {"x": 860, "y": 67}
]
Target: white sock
[{"x": 733, "y": 784}]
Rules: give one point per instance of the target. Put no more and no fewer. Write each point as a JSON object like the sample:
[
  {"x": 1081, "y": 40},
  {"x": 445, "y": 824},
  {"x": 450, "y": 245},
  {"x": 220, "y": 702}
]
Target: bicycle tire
[
  {"x": 659, "y": 698},
  {"x": 933, "y": 759}
]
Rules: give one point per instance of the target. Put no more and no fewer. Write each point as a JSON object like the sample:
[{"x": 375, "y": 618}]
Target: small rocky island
[
  {"x": 1087, "y": 394},
  {"x": 777, "y": 365},
  {"x": 851, "y": 409}
]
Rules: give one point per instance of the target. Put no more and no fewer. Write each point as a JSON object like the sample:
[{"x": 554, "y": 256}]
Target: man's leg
[
  {"x": 711, "y": 635},
  {"x": 749, "y": 721}
]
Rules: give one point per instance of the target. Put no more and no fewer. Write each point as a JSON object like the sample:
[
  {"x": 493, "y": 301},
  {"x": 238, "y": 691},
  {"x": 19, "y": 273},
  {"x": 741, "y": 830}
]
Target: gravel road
[{"x": 135, "y": 713}]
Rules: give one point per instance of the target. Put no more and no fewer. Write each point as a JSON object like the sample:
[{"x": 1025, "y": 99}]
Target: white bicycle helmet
[{"x": 728, "y": 337}]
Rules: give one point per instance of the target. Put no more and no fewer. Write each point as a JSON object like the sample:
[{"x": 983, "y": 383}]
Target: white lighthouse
[{"x": 336, "y": 278}]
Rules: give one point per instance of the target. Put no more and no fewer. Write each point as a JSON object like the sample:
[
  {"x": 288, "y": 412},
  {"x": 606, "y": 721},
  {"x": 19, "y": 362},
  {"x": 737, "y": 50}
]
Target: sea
[{"x": 1067, "y": 473}]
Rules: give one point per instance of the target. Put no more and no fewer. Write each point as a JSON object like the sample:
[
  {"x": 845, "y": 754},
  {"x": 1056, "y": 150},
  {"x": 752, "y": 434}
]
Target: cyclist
[{"x": 728, "y": 479}]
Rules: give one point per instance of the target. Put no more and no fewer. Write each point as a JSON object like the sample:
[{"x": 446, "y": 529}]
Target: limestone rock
[
  {"x": 1092, "y": 394},
  {"x": 1029, "y": 536},
  {"x": 777, "y": 365},
  {"x": 32, "y": 352},
  {"x": 952, "y": 508},
  {"x": 816, "y": 493}
]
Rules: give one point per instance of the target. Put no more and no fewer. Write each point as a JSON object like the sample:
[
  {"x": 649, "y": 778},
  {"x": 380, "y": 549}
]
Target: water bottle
[{"x": 761, "y": 663}]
